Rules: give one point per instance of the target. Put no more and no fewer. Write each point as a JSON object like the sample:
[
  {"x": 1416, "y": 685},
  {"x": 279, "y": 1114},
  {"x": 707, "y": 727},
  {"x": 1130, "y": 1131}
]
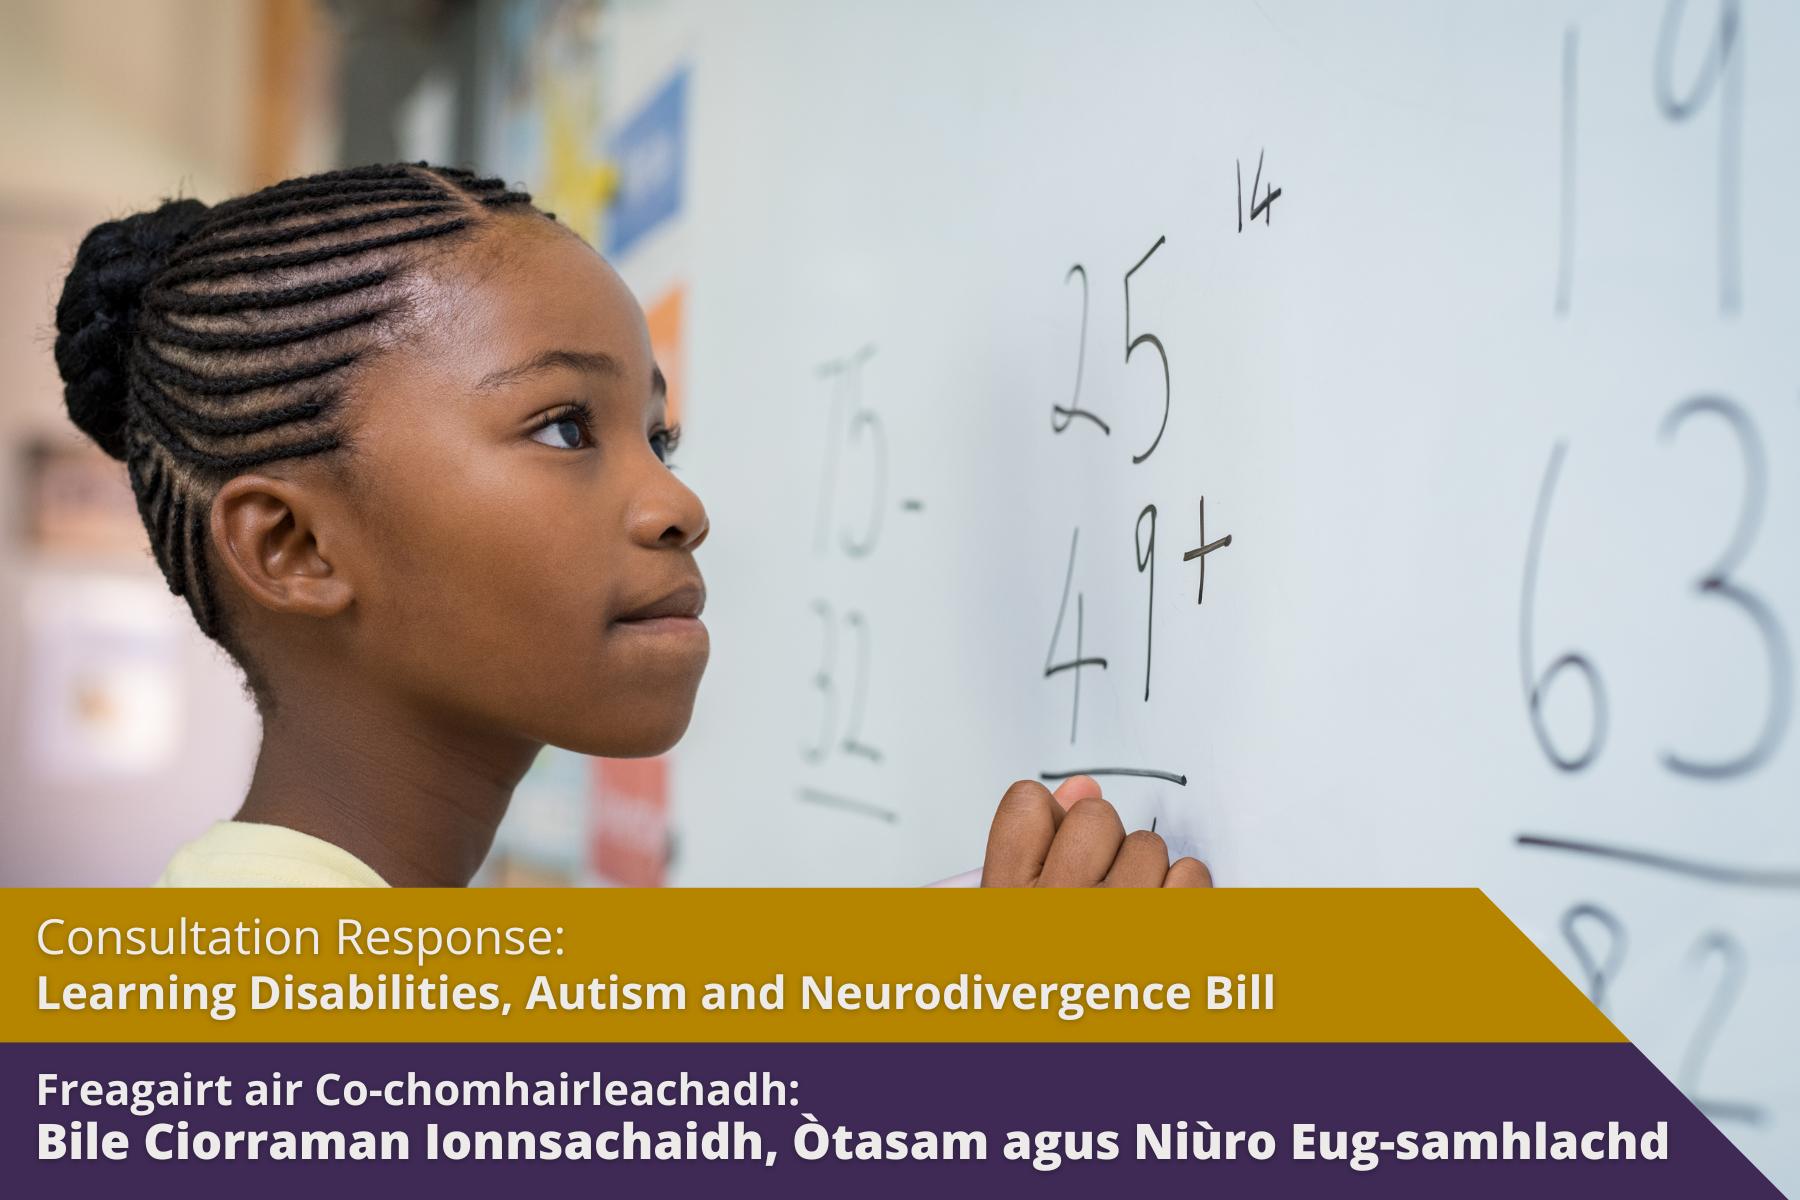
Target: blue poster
[{"x": 651, "y": 151}]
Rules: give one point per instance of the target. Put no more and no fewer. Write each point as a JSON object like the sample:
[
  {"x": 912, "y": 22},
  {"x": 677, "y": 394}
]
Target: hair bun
[{"x": 97, "y": 315}]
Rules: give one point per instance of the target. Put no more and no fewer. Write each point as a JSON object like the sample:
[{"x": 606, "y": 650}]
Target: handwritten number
[
  {"x": 1147, "y": 339},
  {"x": 1060, "y": 417},
  {"x": 854, "y": 546},
  {"x": 1258, "y": 208},
  {"x": 1078, "y": 663},
  {"x": 1733, "y": 966},
  {"x": 1536, "y": 689},
  {"x": 1599, "y": 968},
  {"x": 845, "y": 375},
  {"x": 1718, "y": 582},
  {"x": 1146, "y": 560},
  {"x": 825, "y": 682}
]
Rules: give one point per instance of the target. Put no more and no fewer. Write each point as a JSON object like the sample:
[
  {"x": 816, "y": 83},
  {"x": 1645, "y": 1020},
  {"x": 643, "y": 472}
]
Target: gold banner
[{"x": 755, "y": 965}]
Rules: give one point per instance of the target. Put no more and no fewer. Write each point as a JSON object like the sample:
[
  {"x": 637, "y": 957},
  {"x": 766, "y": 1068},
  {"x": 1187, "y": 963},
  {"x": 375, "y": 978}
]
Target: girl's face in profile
[{"x": 522, "y": 559}]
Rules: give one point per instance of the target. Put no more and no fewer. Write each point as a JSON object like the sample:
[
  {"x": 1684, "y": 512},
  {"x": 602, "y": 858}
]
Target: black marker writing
[{"x": 1202, "y": 550}]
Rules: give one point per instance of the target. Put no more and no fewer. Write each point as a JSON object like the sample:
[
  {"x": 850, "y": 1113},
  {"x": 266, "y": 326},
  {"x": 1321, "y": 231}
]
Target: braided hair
[{"x": 197, "y": 343}]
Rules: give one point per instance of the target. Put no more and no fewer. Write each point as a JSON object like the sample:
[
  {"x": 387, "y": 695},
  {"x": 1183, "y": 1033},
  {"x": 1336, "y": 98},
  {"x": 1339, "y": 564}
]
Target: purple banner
[{"x": 872, "y": 1120}]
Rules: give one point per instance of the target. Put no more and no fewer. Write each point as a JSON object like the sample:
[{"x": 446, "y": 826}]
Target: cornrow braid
[
  {"x": 303, "y": 206},
  {"x": 198, "y": 343}
]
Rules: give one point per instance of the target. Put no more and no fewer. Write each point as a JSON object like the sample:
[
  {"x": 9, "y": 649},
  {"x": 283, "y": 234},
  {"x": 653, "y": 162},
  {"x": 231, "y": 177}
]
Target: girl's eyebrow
[{"x": 588, "y": 362}]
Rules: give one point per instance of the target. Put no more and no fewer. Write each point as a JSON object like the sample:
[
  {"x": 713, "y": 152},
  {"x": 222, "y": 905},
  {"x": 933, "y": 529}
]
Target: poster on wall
[
  {"x": 546, "y": 113},
  {"x": 102, "y": 696},
  {"x": 78, "y": 501},
  {"x": 664, "y": 317},
  {"x": 629, "y": 845},
  {"x": 651, "y": 152}
]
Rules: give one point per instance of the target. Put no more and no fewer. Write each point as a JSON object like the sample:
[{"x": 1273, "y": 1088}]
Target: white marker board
[{"x": 1498, "y": 398}]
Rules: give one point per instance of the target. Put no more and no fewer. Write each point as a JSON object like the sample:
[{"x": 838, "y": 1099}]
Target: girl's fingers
[
  {"x": 1074, "y": 838},
  {"x": 1188, "y": 872},
  {"x": 1085, "y": 845},
  {"x": 1019, "y": 840},
  {"x": 1143, "y": 861},
  {"x": 1076, "y": 788}
]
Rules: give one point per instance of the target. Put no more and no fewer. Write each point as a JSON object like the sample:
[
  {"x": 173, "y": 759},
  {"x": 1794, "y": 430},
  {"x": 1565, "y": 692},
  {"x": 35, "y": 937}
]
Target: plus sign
[{"x": 1202, "y": 550}]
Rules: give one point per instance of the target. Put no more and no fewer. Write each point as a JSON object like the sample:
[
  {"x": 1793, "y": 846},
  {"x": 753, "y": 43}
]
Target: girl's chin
[{"x": 642, "y": 734}]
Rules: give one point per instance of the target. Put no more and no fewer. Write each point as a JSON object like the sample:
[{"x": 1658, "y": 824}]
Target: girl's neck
[{"x": 416, "y": 798}]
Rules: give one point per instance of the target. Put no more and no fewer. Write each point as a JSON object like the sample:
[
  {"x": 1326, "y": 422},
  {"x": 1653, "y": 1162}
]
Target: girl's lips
[
  {"x": 684, "y": 603},
  {"x": 664, "y": 626}
]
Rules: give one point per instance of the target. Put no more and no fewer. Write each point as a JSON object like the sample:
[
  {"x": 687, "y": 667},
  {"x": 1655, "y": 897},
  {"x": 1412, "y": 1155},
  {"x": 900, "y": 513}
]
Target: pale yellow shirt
[{"x": 243, "y": 854}]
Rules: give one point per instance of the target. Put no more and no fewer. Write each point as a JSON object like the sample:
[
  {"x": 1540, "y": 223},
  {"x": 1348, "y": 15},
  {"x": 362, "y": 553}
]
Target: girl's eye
[
  {"x": 664, "y": 441},
  {"x": 564, "y": 433}
]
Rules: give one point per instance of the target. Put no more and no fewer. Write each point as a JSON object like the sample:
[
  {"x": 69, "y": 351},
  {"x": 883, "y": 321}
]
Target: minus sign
[
  {"x": 1135, "y": 772},
  {"x": 818, "y": 796},
  {"x": 912, "y": 506}
]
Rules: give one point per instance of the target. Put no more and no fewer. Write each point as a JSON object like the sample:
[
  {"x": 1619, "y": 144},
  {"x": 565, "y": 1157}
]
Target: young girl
[{"x": 399, "y": 442}]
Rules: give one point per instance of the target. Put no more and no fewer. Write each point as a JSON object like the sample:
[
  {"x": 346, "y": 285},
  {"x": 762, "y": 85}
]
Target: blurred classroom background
[{"x": 123, "y": 732}]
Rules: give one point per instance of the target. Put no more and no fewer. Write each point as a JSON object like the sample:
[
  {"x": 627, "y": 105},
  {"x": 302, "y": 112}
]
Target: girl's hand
[{"x": 1073, "y": 838}]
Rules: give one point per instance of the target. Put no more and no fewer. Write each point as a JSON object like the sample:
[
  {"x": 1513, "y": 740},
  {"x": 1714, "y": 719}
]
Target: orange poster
[{"x": 665, "y": 320}]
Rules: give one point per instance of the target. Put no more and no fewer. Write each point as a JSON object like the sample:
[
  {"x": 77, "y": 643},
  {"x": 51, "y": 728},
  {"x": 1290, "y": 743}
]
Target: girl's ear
[{"x": 266, "y": 534}]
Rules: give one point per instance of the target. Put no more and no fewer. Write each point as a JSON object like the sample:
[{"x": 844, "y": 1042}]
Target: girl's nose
[{"x": 669, "y": 515}]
